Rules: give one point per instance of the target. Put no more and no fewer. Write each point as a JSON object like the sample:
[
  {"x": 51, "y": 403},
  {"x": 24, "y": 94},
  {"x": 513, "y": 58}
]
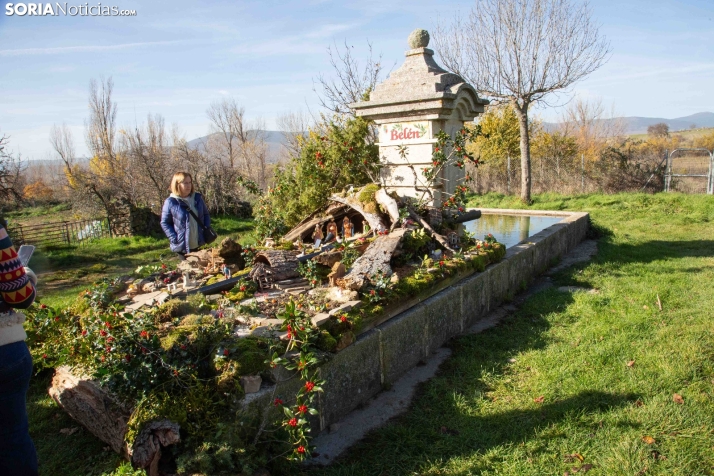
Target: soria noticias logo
[{"x": 65, "y": 9}]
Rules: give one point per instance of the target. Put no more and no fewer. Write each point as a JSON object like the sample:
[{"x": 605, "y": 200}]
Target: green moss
[
  {"x": 170, "y": 309},
  {"x": 193, "y": 320},
  {"x": 366, "y": 195},
  {"x": 480, "y": 261},
  {"x": 414, "y": 284},
  {"x": 175, "y": 336},
  {"x": 249, "y": 355},
  {"x": 326, "y": 342},
  {"x": 215, "y": 279}
]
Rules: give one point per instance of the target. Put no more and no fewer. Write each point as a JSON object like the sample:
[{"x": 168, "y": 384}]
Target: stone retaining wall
[{"x": 383, "y": 354}]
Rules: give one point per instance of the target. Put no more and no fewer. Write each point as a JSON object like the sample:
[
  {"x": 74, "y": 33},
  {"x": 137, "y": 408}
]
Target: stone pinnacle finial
[{"x": 418, "y": 39}]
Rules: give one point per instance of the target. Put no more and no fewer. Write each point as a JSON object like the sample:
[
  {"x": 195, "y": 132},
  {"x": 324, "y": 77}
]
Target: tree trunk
[
  {"x": 100, "y": 413},
  {"x": 92, "y": 407},
  {"x": 522, "y": 113}
]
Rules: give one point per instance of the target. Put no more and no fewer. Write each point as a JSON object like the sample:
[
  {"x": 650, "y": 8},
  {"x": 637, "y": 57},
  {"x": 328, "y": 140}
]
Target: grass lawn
[
  {"x": 63, "y": 272},
  {"x": 572, "y": 381},
  {"x": 550, "y": 390}
]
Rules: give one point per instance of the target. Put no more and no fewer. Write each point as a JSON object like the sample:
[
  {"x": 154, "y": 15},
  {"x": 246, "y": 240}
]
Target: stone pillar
[{"x": 410, "y": 108}]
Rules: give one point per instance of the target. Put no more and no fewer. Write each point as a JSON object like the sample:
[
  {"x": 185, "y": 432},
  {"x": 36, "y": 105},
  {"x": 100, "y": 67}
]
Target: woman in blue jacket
[{"x": 182, "y": 230}]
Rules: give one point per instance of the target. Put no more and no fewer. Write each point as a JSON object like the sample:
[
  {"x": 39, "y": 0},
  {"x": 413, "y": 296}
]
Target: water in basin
[{"x": 509, "y": 229}]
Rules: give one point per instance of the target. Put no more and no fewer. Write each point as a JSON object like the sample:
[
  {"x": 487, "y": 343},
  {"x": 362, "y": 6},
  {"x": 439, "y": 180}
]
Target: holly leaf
[
  {"x": 678, "y": 399},
  {"x": 287, "y": 412},
  {"x": 312, "y": 411}
]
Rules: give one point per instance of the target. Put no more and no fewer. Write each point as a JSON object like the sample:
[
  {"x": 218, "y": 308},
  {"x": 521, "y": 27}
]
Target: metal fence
[
  {"x": 573, "y": 175},
  {"x": 690, "y": 171},
  {"x": 60, "y": 233}
]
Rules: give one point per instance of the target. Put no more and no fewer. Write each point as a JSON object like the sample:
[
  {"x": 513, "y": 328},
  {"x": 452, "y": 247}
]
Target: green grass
[
  {"x": 65, "y": 271},
  {"x": 479, "y": 414}
]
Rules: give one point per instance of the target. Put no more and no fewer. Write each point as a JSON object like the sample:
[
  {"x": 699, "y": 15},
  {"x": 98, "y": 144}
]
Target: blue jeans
[{"x": 17, "y": 453}]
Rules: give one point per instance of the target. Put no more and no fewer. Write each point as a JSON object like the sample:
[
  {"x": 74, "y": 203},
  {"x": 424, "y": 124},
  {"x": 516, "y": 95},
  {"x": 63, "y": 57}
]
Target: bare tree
[
  {"x": 521, "y": 51},
  {"x": 590, "y": 125},
  {"x": 658, "y": 130},
  {"x": 237, "y": 144},
  {"x": 351, "y": 82},
  {"x": 11, "y": 167},
  {"x": 293, "y": 126},
  {"x": 150, "y": 167}
]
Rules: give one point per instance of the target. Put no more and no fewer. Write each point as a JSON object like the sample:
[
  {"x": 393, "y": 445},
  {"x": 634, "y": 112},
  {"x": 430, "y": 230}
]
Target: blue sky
[{"x": 175, "y": 58}]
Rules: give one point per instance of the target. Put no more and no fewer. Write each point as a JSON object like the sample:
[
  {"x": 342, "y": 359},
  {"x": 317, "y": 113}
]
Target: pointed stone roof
[{"x": 421, "y": 89}]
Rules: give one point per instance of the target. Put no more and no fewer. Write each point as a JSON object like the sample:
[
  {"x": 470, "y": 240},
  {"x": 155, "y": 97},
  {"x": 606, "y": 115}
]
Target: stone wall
[{"x": 382, "y": 355}]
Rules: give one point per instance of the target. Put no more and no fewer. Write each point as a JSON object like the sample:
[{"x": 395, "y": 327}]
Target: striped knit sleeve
[{"x": 16, "y": 289}]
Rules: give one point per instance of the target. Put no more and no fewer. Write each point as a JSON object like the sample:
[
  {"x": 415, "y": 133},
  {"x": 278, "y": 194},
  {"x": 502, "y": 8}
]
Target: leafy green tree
[{"x": 333, "y": 155}]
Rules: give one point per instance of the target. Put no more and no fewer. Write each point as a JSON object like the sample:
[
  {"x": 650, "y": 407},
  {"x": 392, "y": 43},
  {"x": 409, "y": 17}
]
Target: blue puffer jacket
[{"x": 174, "y": 221}]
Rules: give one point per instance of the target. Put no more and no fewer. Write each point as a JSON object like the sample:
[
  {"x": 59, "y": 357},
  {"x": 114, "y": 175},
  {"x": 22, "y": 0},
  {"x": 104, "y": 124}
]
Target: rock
[
  {"x": 232, "y": 253},
  {"x": 356, "y": 304},
  {"x": 338, "y": 294},
  {"x": 213, "y": 297},
  {"x": 346, "y": 307},
  {"x": 251, "y": 383},
  {"x": 394, "y": 279},
  {"x": 346, "y": 339},
  {"x": 320, "y": 319}
]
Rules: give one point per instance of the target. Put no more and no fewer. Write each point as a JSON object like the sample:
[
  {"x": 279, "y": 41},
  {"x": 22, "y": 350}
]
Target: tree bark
[
  {"x": 522, "y": 113},
  {"x": 283, "y": 264},
  {"x": 375, "y": 259},
  {"x": 106, "y": 418}
]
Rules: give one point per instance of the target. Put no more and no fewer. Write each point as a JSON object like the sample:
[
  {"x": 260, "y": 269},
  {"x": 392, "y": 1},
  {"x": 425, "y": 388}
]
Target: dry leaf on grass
[
  {"x": 677, "y": 398},
  {"x": 539, "y": 399},
  {"x": 583, "y": 469},
  {"x": 630, "y": 363},
  {"x": 575, "y": 456},
  {"x": 648, "y": 439},
  {"x": 638, "y": 403}
]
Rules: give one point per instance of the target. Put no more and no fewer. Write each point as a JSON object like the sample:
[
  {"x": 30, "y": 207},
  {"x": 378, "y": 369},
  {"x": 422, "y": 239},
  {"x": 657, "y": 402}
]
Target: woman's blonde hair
[{"x": 178, "y": 178}]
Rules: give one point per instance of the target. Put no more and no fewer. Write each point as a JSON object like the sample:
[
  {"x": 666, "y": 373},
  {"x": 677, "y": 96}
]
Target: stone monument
[{"x": 410, "y": 108}]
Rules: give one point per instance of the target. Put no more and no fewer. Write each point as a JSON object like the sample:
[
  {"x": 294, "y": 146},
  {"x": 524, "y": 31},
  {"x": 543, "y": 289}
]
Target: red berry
[
  {"x": 226, "y": 352},
  {"x": 292, "y": 422},
  {"x": 43, "y": 306},
  {"x": 301, "y": 449}
]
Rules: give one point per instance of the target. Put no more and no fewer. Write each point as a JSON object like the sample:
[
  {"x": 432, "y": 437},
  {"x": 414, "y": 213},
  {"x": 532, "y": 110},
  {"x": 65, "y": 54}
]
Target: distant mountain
[
  {"x": 639, "y": 125},
  {"x": 275, "y": 141}
]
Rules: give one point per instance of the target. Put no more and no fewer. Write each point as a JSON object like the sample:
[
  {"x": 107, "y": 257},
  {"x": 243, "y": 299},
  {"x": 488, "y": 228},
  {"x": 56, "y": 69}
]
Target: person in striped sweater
[{"x": 17, "y": 291}]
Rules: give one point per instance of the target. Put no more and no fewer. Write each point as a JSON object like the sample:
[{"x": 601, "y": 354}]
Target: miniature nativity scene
[{"x": 370, "y": 253}]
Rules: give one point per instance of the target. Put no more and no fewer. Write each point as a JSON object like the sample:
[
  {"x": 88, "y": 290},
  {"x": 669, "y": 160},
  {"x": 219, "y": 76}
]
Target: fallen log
[
  {"x": 308, "y": 224},
  {"x": 374, "y": 260},
  {"x": 106, "y": 418},
  {"x": 374, "y": 219}
]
